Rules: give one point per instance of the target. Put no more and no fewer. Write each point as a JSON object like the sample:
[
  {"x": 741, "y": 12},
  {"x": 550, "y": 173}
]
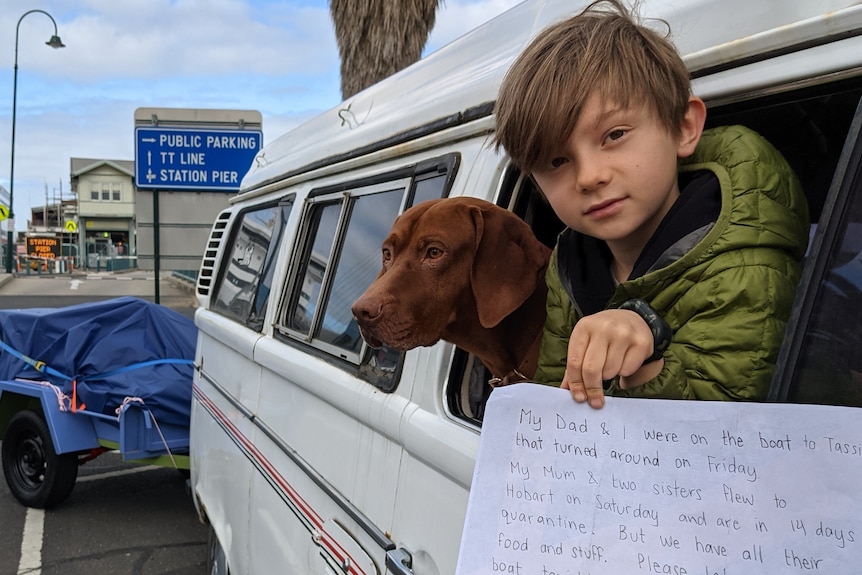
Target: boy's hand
[{"x": 606, "y": 344}]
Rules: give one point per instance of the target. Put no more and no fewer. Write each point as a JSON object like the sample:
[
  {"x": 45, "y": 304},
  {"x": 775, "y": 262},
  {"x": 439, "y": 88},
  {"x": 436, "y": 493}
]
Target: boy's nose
[{"x": 592, "y": 174}]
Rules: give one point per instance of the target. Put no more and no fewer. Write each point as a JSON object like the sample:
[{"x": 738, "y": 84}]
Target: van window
[
  {"x": 428, "y": 187},
  {"x": 242, "y": 291},
  {"x": 369, "y": 215},
  {"x": 830, "y": 365},
  {"x": 809, "y": 127},
  {"x": 468, "y": 389},
  {"x": 825, "y": 354},
  {"x": 344, "y": 228}
]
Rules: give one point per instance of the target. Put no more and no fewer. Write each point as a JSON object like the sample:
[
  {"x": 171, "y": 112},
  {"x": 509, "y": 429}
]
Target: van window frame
[
  {"x": 465, "y": 393},
  {"x": 252, "y": 321},
  {"x": 346, "y": 198},
  {"x": 831, "y": 198},
  {"x": 846, "y": 182},
  {"x": 346, "y": 193}
]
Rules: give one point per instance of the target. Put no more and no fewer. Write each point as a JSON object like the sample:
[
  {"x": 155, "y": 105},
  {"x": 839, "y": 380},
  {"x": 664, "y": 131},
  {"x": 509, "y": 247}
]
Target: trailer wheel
[{"x": 37, "y": 476}]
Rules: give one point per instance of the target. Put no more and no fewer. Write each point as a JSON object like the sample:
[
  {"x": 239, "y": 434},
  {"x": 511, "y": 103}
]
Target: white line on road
[
  {"x": 31, "y": 543},
  {"x": 34, "y": 525},
  {"x": 118, "y": 473},
  {"x": 74, "y": 284}
]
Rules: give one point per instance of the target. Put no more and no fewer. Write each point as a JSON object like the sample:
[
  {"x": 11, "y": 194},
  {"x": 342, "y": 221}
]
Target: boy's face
[{"x": 616, "y": 176}]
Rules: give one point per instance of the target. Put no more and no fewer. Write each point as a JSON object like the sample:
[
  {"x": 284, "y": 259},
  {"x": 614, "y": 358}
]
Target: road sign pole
[{"x": 156, "y": 243}]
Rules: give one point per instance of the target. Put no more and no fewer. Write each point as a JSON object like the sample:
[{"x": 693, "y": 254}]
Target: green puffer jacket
[{"x": 726, "y": 291}]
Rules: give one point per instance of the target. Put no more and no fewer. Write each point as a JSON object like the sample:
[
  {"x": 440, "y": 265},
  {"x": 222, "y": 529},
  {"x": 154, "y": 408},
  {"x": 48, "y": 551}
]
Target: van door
[
  {"x": 226, "y": 389},
  {"x": 326, "y": 438}
]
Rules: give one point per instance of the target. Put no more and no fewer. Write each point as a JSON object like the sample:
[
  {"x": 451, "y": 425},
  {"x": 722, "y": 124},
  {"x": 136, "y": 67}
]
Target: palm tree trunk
[{"x": 377, "y": 38}]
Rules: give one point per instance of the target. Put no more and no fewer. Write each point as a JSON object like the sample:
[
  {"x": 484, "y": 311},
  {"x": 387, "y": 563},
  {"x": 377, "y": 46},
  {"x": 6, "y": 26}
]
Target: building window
[
  {"x": 116, "y": 193},
  {"x": 94, "y": 194},
  {"x": 106, "y": 192}
]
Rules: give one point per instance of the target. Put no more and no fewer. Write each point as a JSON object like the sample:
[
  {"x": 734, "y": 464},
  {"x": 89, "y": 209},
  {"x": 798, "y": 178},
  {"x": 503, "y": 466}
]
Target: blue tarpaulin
[{"x": 101, "y": 346}]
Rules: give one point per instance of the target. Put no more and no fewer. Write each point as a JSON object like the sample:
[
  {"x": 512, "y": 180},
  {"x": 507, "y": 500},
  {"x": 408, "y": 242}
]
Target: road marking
[
  {"x": 74, "y": 284},
  {"x": 34, "y": 525},
  {"x": 119, "y": 473},
  {"x": 31, "y": 543}
]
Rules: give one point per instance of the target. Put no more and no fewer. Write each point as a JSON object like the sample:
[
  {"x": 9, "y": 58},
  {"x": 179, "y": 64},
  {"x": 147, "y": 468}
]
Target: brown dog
[{"x": 466, "y": 271}]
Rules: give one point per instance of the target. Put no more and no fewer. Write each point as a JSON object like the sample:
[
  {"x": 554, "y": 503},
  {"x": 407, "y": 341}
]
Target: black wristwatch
[{"x": 661, "y": 331}]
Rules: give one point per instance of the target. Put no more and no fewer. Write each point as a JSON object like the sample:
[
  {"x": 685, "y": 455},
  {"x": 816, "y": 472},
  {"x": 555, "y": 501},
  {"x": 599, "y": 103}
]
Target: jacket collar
[{"x": 584, "y": 262}]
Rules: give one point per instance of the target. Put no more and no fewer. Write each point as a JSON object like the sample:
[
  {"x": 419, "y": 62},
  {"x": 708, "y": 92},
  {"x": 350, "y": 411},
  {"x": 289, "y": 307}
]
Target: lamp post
[{"x": 54, "y": 42}]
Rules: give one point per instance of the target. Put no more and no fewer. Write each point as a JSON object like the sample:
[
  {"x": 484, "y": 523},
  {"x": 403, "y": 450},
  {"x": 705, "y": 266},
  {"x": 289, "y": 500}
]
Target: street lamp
[{"x": 54, "y": 42}]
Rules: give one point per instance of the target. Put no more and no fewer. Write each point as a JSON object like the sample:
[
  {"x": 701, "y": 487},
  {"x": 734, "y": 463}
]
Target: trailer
[{"x": 81, "y": 380}]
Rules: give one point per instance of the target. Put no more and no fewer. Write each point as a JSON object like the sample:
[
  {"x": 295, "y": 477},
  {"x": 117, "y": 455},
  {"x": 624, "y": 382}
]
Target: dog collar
[{"x": 529, "y": 363}]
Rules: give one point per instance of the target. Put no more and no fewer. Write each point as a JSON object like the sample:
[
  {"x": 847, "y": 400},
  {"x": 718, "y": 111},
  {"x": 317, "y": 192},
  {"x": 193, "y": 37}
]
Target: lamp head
[{"x": 55, "y": 42}]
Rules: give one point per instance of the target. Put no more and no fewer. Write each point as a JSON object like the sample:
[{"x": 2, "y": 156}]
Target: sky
[{"x": 278, "y": 57}]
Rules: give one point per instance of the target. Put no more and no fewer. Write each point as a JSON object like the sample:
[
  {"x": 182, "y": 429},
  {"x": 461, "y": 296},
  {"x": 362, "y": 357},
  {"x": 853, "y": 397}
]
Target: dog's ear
[{"x": 506, "y": 267}]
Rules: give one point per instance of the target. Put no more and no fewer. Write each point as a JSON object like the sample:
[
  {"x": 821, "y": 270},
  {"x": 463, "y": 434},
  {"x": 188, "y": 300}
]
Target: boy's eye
[
  {"x": 616, "y": 134},
  {"x": 557, "y": 162}
]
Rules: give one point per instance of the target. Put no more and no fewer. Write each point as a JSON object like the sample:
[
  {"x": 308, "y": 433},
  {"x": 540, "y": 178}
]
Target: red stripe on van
[{"x": 262, "y": 463}]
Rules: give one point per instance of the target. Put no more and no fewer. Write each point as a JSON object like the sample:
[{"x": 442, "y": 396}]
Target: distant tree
[{"x": 377, "y": 38}]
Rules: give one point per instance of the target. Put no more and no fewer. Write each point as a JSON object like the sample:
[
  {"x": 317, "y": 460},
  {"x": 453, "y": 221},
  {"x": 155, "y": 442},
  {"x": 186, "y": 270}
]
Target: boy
[{"x": 679, "y": 265}]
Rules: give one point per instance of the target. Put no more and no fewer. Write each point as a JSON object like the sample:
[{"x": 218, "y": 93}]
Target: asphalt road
[
  {"x": 121, "y": 518},
  {"x": 57, "y": 291}
]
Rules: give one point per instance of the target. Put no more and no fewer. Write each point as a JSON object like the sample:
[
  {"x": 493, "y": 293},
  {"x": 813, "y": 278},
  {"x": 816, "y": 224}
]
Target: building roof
[{"x": 81, "y": 166}]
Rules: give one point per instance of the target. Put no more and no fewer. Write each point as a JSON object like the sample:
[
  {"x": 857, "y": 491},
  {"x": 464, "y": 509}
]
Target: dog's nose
[{"x": 365, "y": 310}]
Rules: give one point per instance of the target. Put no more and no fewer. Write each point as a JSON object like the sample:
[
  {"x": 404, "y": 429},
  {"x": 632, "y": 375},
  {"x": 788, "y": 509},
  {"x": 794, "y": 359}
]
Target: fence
[
  {"x": 31, "y": 265},
  {"x": 28, "y": 265}
]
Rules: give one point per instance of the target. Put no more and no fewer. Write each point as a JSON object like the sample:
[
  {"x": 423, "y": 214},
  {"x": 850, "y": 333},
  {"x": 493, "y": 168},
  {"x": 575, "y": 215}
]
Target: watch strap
[{"x": 661, "y": 331}]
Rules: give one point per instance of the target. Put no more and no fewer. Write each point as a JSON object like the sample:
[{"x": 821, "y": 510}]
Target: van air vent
[{"x": 205, "y": 277}]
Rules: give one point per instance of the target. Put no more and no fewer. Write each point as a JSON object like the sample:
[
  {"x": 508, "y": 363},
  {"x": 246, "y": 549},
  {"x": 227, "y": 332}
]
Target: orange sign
[{"x": 43, "y": 246}]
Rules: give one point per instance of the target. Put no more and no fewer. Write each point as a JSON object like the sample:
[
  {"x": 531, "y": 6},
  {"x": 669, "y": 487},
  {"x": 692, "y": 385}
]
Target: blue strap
[
  {"x": 142, "y": 364},
  {"x": 41, "y": 366}
]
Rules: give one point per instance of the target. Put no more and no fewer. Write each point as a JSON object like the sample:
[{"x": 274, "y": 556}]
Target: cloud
[
  {"x": 158, "y": 39},
  {"x": 457, "y": 17},
  {"x": 275, "y": 56}
]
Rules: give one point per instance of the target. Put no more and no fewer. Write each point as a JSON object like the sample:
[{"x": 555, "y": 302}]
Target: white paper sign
[{"x": 647, "y": 487}]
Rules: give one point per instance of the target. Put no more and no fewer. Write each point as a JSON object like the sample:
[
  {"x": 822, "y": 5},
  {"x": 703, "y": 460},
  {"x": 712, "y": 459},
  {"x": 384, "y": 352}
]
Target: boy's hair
[{"x": 602, "y": 50}]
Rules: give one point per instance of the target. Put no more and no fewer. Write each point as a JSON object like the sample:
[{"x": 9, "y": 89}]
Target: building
[
  {"x": 106, "y": 208},
  {"x": 51, "y": 219}
]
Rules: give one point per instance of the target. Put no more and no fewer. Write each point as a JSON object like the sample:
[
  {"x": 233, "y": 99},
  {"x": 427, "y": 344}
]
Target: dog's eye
[{"x": 434, "y": 253}]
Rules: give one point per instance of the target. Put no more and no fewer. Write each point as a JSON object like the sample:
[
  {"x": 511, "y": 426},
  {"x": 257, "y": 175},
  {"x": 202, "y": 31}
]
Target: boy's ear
[{"x": 692, "y": 127}]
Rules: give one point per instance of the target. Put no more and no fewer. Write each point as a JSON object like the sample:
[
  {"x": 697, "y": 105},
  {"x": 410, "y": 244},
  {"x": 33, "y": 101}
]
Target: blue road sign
[{"x": 193, "y": 159}]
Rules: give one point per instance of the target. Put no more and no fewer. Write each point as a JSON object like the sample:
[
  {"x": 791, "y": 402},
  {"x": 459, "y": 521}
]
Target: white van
[{"x": 311, "y": 453}]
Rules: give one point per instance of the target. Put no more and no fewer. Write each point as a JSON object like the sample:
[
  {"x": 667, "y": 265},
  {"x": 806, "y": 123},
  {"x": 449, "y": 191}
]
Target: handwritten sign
[{"x": 654, "y": 487}]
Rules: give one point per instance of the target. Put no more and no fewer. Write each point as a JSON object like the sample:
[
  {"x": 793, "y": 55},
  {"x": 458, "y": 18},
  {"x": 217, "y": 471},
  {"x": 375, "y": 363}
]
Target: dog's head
[{"x": 448, "y": 261}]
